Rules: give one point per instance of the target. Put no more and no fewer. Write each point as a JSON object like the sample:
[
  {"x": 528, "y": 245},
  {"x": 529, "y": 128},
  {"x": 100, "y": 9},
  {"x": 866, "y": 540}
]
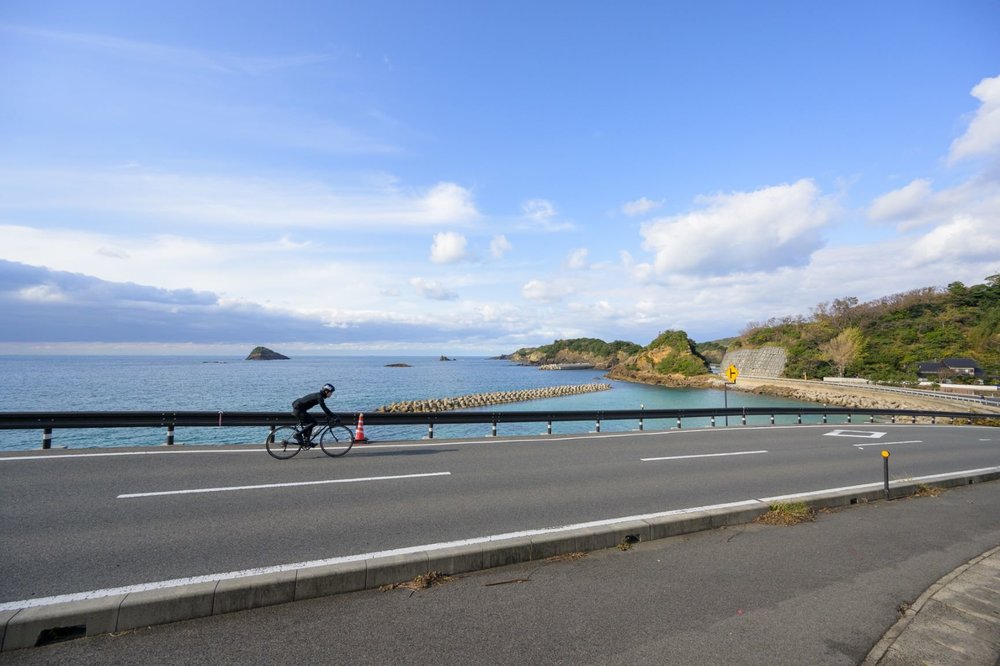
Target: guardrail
[{"x": 47, "y": 422}]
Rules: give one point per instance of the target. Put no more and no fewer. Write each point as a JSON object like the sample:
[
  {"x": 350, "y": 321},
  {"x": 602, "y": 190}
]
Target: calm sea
[{"x": 194, "y": 383}]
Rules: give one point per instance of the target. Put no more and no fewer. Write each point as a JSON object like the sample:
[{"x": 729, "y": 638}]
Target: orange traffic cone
[{"x": 359, "y": 432}]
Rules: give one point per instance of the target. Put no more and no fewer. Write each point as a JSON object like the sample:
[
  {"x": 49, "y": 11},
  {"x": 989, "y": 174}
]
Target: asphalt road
[
  {"x": 75, "y": 522},
  {"x": 820, "y": 593}
]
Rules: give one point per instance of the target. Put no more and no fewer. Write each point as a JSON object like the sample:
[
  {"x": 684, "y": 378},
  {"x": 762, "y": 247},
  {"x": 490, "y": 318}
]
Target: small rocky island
[{"x": 265, "y": 354}]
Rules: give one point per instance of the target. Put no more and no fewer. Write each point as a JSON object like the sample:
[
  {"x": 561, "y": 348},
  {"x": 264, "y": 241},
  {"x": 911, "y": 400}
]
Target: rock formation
[{"x": 265, "y": 354}]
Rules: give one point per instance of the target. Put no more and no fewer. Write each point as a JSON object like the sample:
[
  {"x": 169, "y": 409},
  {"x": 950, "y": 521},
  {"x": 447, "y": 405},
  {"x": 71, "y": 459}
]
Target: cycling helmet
[{"x": 328, "y": 388}]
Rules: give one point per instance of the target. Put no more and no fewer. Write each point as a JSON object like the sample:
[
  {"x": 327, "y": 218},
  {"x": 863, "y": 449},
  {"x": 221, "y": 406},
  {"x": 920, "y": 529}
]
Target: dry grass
[
  {"x": 566, "y": 557},
  {"x": 787, "y": 514},
  {"x": 924, "y": 490},
  {"x": 421, "y": 582}
]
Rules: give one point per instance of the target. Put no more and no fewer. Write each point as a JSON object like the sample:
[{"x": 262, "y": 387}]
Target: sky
[{"x": 466, "y": 178}]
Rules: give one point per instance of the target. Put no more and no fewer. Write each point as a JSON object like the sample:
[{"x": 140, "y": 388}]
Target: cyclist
[{"x": 301, "y": 407}]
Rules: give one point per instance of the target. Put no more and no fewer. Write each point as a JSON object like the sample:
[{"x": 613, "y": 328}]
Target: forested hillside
[
  {"x": 886, "y": 338},
  {"x": 578, "y": 350}
]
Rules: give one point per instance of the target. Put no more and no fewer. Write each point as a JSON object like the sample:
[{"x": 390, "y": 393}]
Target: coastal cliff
[{"x": 669, "y": 360}]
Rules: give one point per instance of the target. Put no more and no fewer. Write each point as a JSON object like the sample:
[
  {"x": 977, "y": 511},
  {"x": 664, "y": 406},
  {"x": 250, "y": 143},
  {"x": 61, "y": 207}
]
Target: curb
[{"x": 34, "y": 624}]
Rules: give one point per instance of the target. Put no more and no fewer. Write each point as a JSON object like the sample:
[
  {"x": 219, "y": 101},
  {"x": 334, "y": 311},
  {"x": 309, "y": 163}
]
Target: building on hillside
[{"x": 950, "y": 368}]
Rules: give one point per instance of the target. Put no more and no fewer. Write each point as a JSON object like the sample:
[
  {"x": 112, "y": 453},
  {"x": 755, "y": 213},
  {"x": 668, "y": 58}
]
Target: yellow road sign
[{"x": 731, "y": 373}]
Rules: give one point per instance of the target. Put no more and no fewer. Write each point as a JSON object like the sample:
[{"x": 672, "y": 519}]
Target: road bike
[{"x": 333, "y": 437}]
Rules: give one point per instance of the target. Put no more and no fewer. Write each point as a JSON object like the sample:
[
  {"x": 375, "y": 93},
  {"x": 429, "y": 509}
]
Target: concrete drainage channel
[{"x": 36, "y": 622}]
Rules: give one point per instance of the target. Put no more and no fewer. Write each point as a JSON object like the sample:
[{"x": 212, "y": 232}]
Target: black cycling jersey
[{"x": 307, "y": 402}]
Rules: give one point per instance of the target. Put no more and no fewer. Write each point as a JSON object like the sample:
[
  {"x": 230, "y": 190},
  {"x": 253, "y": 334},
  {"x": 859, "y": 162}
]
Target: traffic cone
[{"x": 359, "y": 432}]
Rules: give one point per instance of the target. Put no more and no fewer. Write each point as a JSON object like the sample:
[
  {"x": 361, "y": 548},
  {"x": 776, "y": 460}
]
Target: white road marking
[
  {"x": 533, "y": 439},
  {"x": 703, "y": 455},
  {"x": 279, "y": 485},
  {"x": 246, "y": 573},
  {"x": 867, "y": 434},
  {"x": 911, "y": 441}
]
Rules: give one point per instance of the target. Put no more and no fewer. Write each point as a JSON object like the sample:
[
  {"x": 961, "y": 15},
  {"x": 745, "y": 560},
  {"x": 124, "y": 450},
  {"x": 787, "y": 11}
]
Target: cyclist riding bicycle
[{"x": 301, "y": 407}]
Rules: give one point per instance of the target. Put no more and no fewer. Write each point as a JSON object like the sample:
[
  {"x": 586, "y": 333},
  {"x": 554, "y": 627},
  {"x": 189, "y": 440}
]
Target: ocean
[{"x": 201, "y": 383}]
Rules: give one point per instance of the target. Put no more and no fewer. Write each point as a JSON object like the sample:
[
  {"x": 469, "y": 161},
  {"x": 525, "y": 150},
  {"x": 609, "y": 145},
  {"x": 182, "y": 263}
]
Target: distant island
[
  {"x": 398, "y": 365},
  {"x": 265, "y": 354}
]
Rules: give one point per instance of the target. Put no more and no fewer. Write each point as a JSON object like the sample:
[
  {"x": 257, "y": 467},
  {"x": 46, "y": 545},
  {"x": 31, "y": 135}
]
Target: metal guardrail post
[
  {"x": 713, "y": 420},
  {"x": 548, "y": 429},
  {"x": 47, "y": 438},
  {"x": 430, "y": 430},
  {"x": 170, "y": 435},
  {"x": 598, "y": 426},
  {"x": 494, "y": 430},
  {"x": 678, "y": 423}
]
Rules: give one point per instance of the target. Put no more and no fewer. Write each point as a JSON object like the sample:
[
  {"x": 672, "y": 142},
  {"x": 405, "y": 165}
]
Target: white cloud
[
  {"x": 905, "y": 204},
  {"x": 499, "y": 246},
  {"x": 765, "y": 229},
  {"x": 542, "y": 216},
  {"x": 544, "y": 292},
  {"x": 449, "y": 202},
  {"x": 433, "y": 289},
  {"x": 449, "y": 247},
  {"x": 577, "y": 259},
  {"x": 963, "y": 239},
  {"x": 983, "y": 134},
  {"x": 209, "y": 200},
  {"x": 640, "y": 206}
]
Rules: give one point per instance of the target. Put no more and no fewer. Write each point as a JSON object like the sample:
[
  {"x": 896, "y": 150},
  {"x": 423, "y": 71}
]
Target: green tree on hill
[{"x": 894, "y": 333}]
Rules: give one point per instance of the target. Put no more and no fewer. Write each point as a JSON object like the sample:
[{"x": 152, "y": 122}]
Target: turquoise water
[{"x": 195, "y": 383}]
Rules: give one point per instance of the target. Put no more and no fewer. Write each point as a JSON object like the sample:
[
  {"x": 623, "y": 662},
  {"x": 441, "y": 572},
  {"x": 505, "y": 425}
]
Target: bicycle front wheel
[
  {"x": 336, "y": 440},
  {"x": 281, "y": 443}
]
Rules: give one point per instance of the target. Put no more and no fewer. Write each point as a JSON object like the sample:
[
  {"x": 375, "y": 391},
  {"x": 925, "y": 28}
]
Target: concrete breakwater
[{"x": 496, "y": 398}]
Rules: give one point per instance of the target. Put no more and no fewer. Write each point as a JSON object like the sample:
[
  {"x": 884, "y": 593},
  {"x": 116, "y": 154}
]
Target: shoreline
[{"x": 818, "y": 392}]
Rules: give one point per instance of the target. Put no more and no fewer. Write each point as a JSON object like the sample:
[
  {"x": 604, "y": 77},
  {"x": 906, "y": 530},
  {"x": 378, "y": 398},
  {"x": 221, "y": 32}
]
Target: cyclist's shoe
[{"x": 299, "y": 440}]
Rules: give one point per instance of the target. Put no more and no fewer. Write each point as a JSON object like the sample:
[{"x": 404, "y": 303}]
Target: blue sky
[{"x": 471, "y": 178}]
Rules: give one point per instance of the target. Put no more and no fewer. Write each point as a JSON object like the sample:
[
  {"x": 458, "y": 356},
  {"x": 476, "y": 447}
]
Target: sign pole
[{"x": 731, "y": 374}]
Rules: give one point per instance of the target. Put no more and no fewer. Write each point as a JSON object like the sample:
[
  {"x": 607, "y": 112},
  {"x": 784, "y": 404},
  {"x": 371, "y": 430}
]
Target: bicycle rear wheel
[
  {"x": 281, "y": 443},
  {"x": 336, "y": 440}
]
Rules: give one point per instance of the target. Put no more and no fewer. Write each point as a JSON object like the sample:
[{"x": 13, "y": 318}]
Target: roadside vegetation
[
  {"x": 882, "y": 340},
  {"x": 885, "y": 339}
]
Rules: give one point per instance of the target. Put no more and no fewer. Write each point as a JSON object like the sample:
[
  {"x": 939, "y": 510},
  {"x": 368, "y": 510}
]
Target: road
[{"x": 89, "y": 520}]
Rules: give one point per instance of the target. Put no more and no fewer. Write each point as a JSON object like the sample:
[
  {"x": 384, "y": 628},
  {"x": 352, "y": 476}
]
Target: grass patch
[
  {"x": 791, "y": 513},
  {"x": 923, "y": 490},
  {"x": 567, "y": 557},
  {"x": 421, "y": 582}
]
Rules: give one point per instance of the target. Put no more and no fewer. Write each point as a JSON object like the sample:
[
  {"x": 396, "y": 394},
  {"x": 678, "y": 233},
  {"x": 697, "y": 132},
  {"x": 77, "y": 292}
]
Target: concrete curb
[
  {"x": 35, "y": 625},
  {"x": 971, "y": 595}
]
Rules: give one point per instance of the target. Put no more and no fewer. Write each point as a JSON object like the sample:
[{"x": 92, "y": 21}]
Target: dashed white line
[
  {"x": 704, "y": 455},
  {"x": 265, "y": 486}
]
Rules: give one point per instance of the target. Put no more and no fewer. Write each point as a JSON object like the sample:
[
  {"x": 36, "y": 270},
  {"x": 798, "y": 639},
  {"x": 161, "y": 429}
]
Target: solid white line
[
  {"x": 885, "y": 444},
  {"x": 246, "y": 573},
  {"x": 69, "y": 456},
  {"x": 279, "y": 485},
  {"x": 704, "y": 455},
  {"x": 533, "y": 439}
]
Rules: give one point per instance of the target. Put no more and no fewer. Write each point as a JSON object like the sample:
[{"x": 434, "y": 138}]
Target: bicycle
[{"x": 334, "y": 438}]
